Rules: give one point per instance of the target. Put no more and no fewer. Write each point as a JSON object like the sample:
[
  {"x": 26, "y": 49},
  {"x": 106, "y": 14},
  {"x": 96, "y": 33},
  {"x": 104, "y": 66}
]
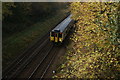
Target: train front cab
[{"x": 56, "y": 37}]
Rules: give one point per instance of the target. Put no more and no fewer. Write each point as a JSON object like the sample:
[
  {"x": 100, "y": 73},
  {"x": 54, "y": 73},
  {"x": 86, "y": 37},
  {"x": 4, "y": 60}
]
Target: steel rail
[
  {"x": 25, "y": 62},
  {"x": 40, "y": 62},
  {"x": 31, "y": 47},
  {"x": 54, "y": 55},
  {"x": 33, "y": 59}
]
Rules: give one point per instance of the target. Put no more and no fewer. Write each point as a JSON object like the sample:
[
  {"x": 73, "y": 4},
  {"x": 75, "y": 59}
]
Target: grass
[{"x": 15, "y": 44}]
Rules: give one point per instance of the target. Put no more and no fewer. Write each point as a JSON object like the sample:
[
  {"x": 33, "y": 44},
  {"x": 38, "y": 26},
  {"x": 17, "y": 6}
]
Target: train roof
[{"x": 63, "y": 24}]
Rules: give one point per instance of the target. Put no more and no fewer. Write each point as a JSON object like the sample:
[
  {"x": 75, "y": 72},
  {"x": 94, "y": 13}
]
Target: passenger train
[{"x": 58, "y": 34}]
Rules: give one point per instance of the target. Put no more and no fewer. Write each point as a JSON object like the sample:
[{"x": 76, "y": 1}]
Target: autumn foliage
[{"x": 94, "y": 51}]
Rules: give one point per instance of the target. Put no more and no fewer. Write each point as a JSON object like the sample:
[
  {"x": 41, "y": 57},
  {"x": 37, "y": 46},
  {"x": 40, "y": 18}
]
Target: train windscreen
[
  {"x": 60, "y": 35},
  {"x": 52, "y": 33},
  {"x": 55, "y": 34}
]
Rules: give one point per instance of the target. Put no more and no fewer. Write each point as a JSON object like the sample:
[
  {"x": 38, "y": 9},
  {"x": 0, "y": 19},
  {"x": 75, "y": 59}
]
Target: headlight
[{"x": 60, "y": 40}]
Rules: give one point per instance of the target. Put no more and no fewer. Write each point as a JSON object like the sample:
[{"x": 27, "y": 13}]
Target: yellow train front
[{"x": 58, "y": 34}]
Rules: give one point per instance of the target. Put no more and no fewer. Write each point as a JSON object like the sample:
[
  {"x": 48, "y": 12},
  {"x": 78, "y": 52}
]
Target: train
[{"x": 58, "y": 34}]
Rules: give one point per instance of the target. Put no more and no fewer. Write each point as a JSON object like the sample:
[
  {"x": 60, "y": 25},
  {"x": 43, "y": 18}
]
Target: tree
[
  {"x": 6, "y": 9},
  {"x": 94, "y": 52}
]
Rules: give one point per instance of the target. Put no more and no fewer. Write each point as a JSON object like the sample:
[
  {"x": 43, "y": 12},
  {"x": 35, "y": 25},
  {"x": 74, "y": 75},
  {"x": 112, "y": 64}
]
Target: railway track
[
  {"x": 24, "y": 59},
  {"x": 44, "y": 65},
  {"x": 45, "y": 71},
  {"x": 39, "y": 60},
  {"x": 37, "y": 66},
  {"x": 30, "y": 68}
]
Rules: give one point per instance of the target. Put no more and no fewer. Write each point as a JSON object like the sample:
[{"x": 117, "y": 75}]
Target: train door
[{"x": 56, "y": 37}]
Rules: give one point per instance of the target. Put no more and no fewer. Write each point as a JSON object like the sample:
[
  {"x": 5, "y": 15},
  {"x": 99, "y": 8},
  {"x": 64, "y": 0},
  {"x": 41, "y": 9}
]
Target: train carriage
[{"x": 59, "y": 33}]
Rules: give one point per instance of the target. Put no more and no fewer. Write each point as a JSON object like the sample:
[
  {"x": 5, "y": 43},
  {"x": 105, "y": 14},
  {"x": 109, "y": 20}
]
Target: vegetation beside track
[
  {"x": 14, "y": 45},
  {"x": 94, "y": 50}
]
